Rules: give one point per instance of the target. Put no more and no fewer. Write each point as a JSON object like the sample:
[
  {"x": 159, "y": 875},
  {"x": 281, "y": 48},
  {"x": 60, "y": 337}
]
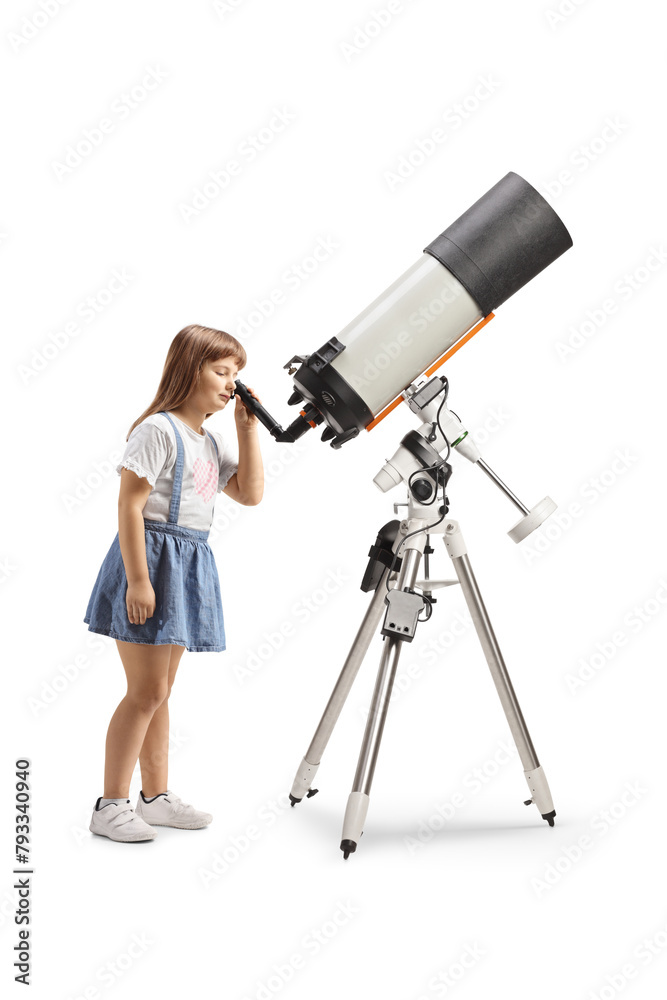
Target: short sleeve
[
  {"x": 146, "y": 452},
  {"x": 227, "y": 462}
]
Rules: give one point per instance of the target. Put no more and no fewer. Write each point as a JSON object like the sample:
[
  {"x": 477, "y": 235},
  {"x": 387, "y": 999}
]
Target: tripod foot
[
  {"x": 309, "y": 794},
  {"x": 347, "y": 847},
  {"x": 353, "y": 823},
  {"x": 541, "y": 795},
  {"x": 303, "y": 781},
  {"x": 549, "y": 817}
]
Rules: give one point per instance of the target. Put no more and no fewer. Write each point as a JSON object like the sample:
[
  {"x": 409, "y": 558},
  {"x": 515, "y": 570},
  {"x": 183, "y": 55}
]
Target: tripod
[{"x": 418, "y": 463}]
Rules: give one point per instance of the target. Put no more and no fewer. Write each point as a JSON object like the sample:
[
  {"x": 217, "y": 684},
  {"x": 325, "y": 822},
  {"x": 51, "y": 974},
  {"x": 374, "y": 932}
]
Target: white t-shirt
[{"x": 151, "y": 452}]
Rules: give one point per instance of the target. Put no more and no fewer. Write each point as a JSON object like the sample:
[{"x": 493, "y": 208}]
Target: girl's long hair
[{"x": 189, "y": 350}]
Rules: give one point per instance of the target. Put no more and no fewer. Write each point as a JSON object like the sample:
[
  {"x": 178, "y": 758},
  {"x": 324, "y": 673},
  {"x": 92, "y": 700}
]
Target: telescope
[
  {"x": 354, "y": 380},
  {"x": 387, "y": 355}
]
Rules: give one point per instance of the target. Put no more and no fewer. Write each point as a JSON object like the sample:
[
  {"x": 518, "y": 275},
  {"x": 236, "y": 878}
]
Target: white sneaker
[
  {"x": 166, "y": 809},
  {"x": 118, "y": 821}
]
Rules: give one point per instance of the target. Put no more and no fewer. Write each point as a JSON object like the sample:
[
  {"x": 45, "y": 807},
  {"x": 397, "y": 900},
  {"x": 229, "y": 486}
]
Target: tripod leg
[
  {"x": 357, "y": 805},
  {"x": 534, "y": 774},
  {"x": 310, "y": 763}
]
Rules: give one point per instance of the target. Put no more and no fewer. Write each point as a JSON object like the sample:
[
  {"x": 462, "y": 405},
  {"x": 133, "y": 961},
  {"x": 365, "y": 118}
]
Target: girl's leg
[
  {"x": 147, "y": 670},
  {"x": 154, "y": 753}
]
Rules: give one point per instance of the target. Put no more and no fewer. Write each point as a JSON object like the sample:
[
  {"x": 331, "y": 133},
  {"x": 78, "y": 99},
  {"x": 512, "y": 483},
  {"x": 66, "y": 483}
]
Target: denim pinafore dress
[{"x": 183, "y": 574}]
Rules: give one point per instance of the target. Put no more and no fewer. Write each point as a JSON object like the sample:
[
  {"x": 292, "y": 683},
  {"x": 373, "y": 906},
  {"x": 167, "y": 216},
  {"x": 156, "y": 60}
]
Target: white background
[{"x": 563, "y": 390}]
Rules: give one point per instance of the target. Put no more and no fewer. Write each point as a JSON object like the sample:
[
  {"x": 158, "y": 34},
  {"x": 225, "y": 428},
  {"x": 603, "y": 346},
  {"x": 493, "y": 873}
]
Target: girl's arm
[
  {"x": 140, "y": 597},
  {"x": 134, "y": 492},
  {"x": 246, "y": 486}
]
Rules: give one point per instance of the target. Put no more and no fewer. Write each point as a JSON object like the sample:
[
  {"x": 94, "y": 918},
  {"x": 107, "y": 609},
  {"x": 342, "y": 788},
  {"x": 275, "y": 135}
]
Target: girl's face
[{"x": 216, "y": 384}]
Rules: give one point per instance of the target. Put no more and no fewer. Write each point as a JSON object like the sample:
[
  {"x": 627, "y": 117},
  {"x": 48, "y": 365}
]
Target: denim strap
[
  {"x": 175, "y": 504},
  {"x": 214, "y": 444}
]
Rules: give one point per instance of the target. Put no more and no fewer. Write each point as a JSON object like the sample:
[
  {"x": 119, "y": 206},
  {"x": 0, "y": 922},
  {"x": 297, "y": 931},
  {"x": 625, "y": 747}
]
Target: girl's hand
[
  {"x": 245, "y": 420},
  {"x": 140, "y": 602}
]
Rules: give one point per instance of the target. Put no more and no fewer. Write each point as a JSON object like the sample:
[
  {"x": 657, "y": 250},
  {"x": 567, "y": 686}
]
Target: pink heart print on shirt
[{"x": 206, "y": 478}]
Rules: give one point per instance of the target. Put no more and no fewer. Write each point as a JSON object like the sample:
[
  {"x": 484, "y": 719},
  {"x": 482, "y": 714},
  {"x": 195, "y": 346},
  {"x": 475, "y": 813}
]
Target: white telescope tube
[{"x": 418, "y": 318}]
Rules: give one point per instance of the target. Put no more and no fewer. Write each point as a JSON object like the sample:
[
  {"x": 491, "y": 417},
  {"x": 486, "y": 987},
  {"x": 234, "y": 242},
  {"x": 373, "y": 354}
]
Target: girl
[{"x": 157, "y": 592}]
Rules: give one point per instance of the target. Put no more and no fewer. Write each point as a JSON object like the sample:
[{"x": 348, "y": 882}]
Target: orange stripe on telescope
[
  {"x": 311, "y": 422},
  {"x": 434, "y": 366}
]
